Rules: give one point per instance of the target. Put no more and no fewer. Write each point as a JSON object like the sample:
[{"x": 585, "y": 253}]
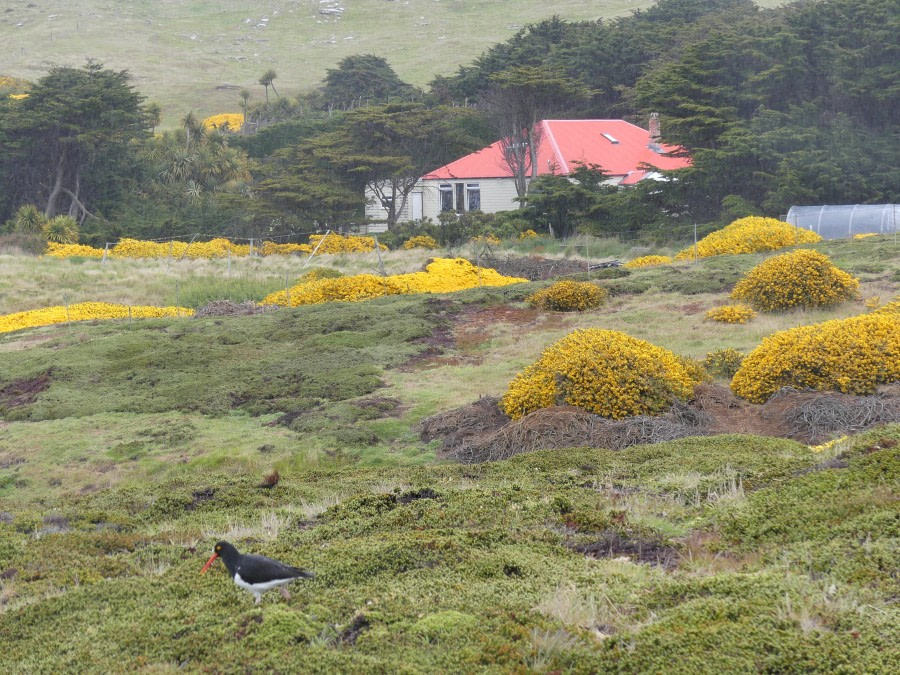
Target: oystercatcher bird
[{"x": 256, "y": 573}]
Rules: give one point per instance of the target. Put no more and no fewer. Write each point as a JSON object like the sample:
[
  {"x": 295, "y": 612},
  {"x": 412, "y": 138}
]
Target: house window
[
  {"x": 473, "y": 193},
  {"x": 446, "y": 196},
  {"x": 460, "y": 197}
]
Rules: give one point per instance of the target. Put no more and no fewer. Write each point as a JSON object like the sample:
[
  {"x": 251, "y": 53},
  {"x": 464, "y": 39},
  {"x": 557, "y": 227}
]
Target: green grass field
[
  {"x": 128, "y": 449},
  {"x": 199, "y": 54}
]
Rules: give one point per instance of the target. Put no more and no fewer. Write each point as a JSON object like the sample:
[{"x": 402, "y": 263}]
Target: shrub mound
[
  {"x": 568, "y": 296},
  {"x": 753, "y": 234},
  {"x": 723, "y": 362},
  {"x": 604, "y": 372},
  {"x": 420, "y": 241},
  {"x": 798, "y": 279},
  {"x": 852, "y": 356},
  {"x": 648, "y": 261},
  {"x": 731, "y": 314}
]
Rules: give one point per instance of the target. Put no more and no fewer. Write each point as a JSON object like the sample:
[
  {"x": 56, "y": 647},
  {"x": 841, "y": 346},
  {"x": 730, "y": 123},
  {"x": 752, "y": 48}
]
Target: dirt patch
[
  {"x": 25, "y": 391},
  {"x": 199, "y": 497},
  {"x": 231, "y": 308},
  {"x": 463, "y": 329},
  {"x": 533, "y": 268},
  {"x": 481, "y": 432},
  {"x": 613, "y": 544},
  {"x": 381, "y": 406},
  {"x": 351, "y": 633},
  {"x": 414, "y": 495}
]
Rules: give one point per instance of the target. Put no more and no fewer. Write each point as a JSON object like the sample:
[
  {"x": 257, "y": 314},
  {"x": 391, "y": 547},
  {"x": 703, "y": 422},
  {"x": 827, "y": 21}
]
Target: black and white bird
[{"x": 256, "y": 573}]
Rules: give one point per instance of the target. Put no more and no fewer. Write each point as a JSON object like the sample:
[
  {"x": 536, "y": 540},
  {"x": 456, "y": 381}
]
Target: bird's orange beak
[{"x": 209, "y": 562}]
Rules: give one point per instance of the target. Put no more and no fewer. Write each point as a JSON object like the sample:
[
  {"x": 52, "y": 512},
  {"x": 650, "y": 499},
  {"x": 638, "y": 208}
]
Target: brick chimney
[{"x": 654, "y": 129}]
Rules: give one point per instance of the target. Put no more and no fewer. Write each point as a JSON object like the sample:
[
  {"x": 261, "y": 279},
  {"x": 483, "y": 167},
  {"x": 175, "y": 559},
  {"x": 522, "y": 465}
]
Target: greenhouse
[{"x": 846, "y": 221}]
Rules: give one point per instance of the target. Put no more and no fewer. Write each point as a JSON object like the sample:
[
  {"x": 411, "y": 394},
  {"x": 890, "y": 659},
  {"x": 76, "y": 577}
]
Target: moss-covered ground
[{"x": 128, "y": 450}]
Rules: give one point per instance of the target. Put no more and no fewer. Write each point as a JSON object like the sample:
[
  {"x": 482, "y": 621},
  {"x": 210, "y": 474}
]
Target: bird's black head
[{"x": 228, "y": 553}]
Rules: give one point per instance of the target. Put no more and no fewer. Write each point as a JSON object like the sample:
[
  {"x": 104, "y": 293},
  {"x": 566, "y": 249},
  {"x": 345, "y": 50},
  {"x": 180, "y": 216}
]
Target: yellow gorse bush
[
  {"x": 420, "y": 241},
  {"x": 225, "y": 122},
  {"x": 852, "y": 356},
  {"x": 648, "y": 261},
  {"x": 442, "y": 275},
  {"x": 73, "y": 250},
  {"x": 216, "y": 248},
  {"x": 84, "y": 311},
  {"x": 528, "y": 234},
  {"x": 731, "y": 314},
  {"x": 865, "y": 235},
  {"x": 798, "y": 279},
  {"x": 568, "y": 296},
  {"x": 491, "y": 239},
  {"x": 750, "y": 235},
  {"x": 271, "y": 248},
  {"x": 604, "y": 372},
  {"x": 334, "y": 243}
]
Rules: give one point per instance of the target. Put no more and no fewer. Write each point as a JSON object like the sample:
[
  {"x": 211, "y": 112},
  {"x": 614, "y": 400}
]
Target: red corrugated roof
[{"x": 565, "y": 142}]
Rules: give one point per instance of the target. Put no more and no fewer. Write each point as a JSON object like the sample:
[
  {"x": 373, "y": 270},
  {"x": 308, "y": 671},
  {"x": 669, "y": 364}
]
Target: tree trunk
[{"x": 52, "y": 200}]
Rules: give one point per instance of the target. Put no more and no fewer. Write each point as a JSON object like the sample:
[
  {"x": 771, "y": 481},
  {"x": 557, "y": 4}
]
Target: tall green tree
[
  {"x": 363, "y": 79},
  {"x": 69, "y": 145},
  {"x": 517, "y": 101}
]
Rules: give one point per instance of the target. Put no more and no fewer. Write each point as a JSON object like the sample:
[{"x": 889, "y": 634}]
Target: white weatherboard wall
[{"x": 497, "y": 194}]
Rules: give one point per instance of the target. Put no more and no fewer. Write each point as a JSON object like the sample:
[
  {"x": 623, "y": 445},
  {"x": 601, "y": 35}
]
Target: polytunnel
[{"x": 846, "y": 221}]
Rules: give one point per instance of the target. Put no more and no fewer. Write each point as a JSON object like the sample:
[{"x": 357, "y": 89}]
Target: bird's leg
[
  {"x": 258, "y": 597},
  {"x": 285, "y": 593}
]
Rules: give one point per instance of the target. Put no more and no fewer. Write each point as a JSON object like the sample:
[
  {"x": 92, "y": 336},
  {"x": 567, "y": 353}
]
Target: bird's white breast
[{"x": 264, "y": 586}]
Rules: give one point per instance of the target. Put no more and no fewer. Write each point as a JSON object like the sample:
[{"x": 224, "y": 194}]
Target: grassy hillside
[
  {"x": 198, "y": 54},
  {"x": 128, "y": 449}
]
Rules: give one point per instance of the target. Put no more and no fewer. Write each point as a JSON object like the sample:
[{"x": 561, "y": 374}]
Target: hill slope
[{"x": 198, "y": 54}]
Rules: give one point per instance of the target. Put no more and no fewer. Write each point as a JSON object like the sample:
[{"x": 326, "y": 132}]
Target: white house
[{"x": 482, "y": 181}]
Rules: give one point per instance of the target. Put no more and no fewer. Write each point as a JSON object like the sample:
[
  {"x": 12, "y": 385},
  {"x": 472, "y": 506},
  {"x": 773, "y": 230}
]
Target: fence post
[
  {"x": 321, "y": 241},
  {"x": 250, "y": 254},
  {"x": 66, "y": 300},
  {"x": 287, "y": 288},
  {"x": 229, "y": 262},
  {"x": 177, "y": 297},
  {"x": 105, "y": 253},
  {"x": 696, "y": 248}
]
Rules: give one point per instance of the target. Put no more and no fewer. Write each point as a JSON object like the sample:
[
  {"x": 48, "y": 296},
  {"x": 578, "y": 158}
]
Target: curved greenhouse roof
[{"x": 845, "y": 221}]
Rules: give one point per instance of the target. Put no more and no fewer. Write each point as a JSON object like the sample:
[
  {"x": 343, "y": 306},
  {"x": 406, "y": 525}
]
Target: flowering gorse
[
  {"x": 798, "y": 279},
  {"x": 224, "y": 122},
  {"x": 568, "y": 296},
  {"x": 749, "y": 235},
  {"x": 731, "y": 314},
  {"x": 648, "y": 261},
  {"x": 528, "y": 234},
  {"x": 442, "y": 275},
  {"x": 604, "y": 372},
  {"x": 420, "y": 241},
  {"x": 852, "y": 356},
  {"x": 215, "y": 248},
  {"x": 73, "y": 250},
  {"x": 84, "y": 311}
]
